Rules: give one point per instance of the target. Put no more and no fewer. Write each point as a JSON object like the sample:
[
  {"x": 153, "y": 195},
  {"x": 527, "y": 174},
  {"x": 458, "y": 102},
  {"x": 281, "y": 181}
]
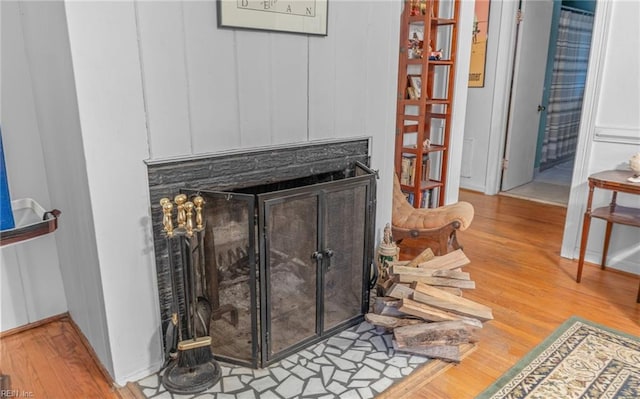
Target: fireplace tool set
[{"x": 191, "y": 368}]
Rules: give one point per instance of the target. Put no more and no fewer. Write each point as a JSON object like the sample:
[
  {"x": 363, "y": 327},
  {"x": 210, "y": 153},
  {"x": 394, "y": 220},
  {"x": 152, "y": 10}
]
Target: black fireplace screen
[{"x": 287, "y": 264}]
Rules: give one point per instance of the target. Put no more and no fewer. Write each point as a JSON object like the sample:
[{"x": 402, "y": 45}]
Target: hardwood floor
[
  {"x": 514, "y": 248},
  {"x": 52, "y": 361}
]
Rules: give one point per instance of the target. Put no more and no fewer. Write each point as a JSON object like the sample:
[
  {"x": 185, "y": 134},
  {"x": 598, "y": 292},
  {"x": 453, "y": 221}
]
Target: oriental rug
[{"x": 581, "y": 359}]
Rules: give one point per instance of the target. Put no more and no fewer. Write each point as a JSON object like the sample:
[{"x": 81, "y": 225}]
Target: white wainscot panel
[
  {"x": 254, "y": 65},
  {"x": 289, "y": 77},
  {"x": 213, "y": 79},
  {"x": 164, "y": 77},
  {"x": 351, "y": 78},
  {"x": 13, "y": 311},
  {"x": 32, "y": 287}
]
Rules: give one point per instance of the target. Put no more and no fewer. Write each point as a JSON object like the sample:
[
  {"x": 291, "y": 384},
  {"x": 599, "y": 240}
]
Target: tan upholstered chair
[{"x": 437, "y": 226}]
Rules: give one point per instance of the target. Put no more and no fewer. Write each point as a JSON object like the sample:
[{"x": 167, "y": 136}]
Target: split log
[
  {"x": 456, "y": 274},
  {"x": 444, "y": 352},
  {"x": 404, "y": 290},
  {"x": 431, "y": 313},
  {"x": 389, "y": 322},
  {"x": 438, "y": 281},
  {"x": 415, "y": 271},
  {"x": 452, "y": 260},
  {"x": 385, "y": 306},
  {"x": 398, "y": 262},
  {"x": 410, "y": 271},
  {"x": 433, "y": 334},
  {"x": 424, "y": 256},
  {"x": 385, "y": 285},
  {"x": 394, "y": 279},
  {"x": 452, "y": 290},
  {"x": 400, "y": 291},
  {"x": 438, "y": 298},
  {"x": 405, "y": 274}
]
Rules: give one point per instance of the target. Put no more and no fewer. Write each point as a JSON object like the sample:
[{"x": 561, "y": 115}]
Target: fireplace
[{"x": 288, "y": 244}]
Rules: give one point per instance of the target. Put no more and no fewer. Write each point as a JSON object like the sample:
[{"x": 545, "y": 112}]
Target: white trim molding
[
  {"x": 579, "y": 189},
  {"x": 622, "y": 135}
]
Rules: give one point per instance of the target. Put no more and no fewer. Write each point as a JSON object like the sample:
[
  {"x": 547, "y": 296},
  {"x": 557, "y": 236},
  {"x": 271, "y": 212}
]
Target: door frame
[
  {"x": 579, "y": 189},
  {"x": 578, "y": 194},
  {"x": 501, "y": 97},
  {"x": 521, "y": 150},
  {"x": 548, "y": 80}
]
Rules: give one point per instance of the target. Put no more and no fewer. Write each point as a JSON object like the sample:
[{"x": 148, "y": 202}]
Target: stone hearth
[{"x": 357, "y": 363}]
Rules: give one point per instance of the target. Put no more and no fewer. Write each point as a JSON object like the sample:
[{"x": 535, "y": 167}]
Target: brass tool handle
[
  {"x": 198, "y": 202},
  {"x": 167, "y": 209},
  {"x": 180, "y": 200},
  {"x": 188, "y": 206}
]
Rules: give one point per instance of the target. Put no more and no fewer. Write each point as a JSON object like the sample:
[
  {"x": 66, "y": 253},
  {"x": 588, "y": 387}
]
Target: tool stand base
[{"x": 190, "y": 380}]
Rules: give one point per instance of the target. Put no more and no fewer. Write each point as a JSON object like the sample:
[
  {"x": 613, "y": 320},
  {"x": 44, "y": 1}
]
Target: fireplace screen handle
[
  {"x": 328, "y": 253},
  {"x": 319, "y": 256}
]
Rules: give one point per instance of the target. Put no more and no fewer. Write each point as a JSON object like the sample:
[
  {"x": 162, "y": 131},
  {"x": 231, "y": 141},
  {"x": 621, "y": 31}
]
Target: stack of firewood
[{"x": 422, "y": 304}]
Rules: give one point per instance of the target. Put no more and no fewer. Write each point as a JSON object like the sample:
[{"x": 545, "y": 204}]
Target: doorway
[{"x": 549, "y": 74}]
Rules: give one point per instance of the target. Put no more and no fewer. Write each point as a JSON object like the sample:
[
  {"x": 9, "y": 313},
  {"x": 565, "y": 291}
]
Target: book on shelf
[
  {"x": 426, "y": 167},
  {"x": 425, "y": 201},
  {"x": 408, "y": 169}
]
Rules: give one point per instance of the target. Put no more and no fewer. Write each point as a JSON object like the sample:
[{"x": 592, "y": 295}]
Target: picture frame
[
  {"x": 415, "y": 83},
  {"x": 480, "y": 30},
  {"x": 292, "y": 16}
]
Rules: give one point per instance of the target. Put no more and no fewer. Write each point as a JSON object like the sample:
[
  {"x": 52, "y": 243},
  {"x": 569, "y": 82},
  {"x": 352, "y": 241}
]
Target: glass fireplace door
[
  {"x": 314, "y": 261},
  {"x": 290, "y": 271},
  {"x": 230, "y": 280},
  {"x": 343, "y": 243}
]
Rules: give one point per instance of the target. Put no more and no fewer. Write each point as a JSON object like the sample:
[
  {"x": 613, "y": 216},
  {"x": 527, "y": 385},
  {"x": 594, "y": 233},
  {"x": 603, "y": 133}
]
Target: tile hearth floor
[{"x": 357, "y": 363}]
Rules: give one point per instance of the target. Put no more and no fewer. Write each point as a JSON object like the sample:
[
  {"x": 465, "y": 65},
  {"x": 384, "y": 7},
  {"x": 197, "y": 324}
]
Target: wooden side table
[{"x": 615, "y": 181}]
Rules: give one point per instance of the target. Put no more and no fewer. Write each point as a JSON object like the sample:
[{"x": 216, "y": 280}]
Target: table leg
[
  {"x": 638, "y": 300},
  {"x": 583, "y": 243},
  {"x": 605, "y": 249}
]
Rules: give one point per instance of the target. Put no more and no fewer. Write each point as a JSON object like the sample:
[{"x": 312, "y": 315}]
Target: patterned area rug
[{"x": 581, "y": 359}]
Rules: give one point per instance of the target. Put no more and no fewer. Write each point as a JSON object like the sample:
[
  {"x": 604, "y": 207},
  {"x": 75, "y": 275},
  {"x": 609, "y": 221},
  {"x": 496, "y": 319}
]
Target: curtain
[{"x": 567, "y": 87}]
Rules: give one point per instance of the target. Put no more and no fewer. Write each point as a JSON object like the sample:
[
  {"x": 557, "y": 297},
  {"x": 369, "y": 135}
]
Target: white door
[{"x": 526, "y": 96}]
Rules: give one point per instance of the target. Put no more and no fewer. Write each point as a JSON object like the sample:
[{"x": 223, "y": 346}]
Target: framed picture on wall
[
  {"x": 479, "y": 43},
  {"x": 294, "y": 16}
]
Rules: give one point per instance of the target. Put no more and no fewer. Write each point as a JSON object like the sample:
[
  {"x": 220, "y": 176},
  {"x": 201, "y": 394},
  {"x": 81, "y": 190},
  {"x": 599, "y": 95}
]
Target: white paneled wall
[
  {"x": 104, "y": 48},
  {"x": 200, "y": 89},
  {"x": 209, "y": 90},
  {"x": 162, "y": 57},
  {"x": 338, "y": 65},
  {"x": 31, "y": 286},
  {"x": 14, "y": 302},
  {"x": 610, "y": 103},
  {"x": 213, "y": 82},
  {"x": 143, "y": 80}
]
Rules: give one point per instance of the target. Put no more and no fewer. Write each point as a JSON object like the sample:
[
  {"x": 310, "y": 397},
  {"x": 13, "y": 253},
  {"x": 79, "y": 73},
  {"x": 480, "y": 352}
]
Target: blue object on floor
[{"x": 6, "y": 214}]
